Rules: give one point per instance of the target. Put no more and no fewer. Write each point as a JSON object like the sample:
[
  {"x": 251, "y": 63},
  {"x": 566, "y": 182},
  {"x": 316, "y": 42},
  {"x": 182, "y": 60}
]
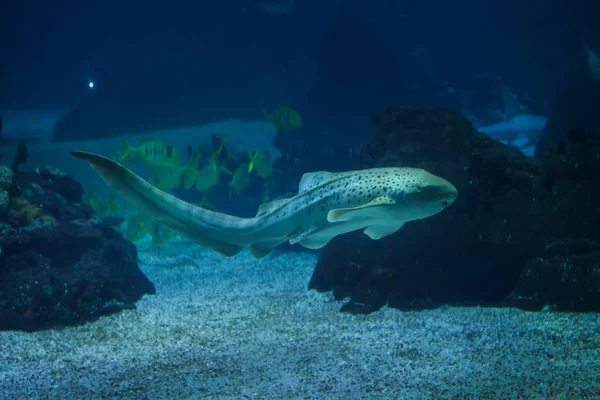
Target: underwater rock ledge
[
  {"x": 491, "y": 246},
  {"x": 59, "y": 263}
]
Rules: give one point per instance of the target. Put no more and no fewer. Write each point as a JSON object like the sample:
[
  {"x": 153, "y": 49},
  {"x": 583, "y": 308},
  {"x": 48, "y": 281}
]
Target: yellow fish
[
  {"x": 136, "y": 228},
  {"x": 154, "y": 152},
  {"x": 261, "y": 162},
  {"x": 170, "y": 178},
  {"x": 240, "y": 180},
  {"x": 283, "y": 118},
  {"x": 220, "y": 155},
  {"x": 189, "y": 172},
  {"x": 127, "y": 163},
  {"x": 113, "y": 208},
  {"x": 160, "y": 234},
  {"x": 103, "y": 207},
  {"x": 166, "y": 179},
  {"x": 207, "y": 178}
]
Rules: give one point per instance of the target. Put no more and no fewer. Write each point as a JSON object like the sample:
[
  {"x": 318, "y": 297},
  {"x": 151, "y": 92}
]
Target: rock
[
  {"x": 61, "y": 183},
  {"x": 60, "y": 264},
  {"x": 574, "y": 107},
  {"x": 6, "y": 177},
  {"x": 20, "y": 157},
  {"x": 4, "y": 201},
  {"x": 567, "y": 278},
  {"x": 49, "y": 193},
  {"x": 568, "y": 247},
  {"x": 508, "y": 210}
]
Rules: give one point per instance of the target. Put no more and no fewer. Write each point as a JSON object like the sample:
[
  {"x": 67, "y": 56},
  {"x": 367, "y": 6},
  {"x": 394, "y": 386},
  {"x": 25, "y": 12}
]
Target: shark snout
[
  {"x": 441, "y": 192},
  {"x": 430, "y": 195},
  {"x": 447, "y": 193}
]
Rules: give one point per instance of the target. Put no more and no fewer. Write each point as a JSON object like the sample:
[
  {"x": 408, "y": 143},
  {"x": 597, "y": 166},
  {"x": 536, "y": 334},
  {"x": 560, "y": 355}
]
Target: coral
[
  {"x": 4, "y": 201},
  {"x": 6, "y": 177},
  {"x": 60, "y": 264},
  {"x": 61, "y": 183},
  {"x": 48, "y": 218},
  {"x": 22, "y": 212}
]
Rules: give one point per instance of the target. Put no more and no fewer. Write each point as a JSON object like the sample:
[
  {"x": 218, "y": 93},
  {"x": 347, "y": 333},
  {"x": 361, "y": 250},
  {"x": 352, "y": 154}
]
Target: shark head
[
  {"x": 390, "y": 198},
  {"x": 421, "y": 194}
]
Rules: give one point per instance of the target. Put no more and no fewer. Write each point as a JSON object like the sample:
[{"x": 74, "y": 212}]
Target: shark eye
[{"x": 419, "y": 188}]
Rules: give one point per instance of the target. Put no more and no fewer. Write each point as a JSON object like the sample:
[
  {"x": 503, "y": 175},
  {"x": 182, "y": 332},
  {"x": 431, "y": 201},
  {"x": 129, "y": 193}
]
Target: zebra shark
[{"x": 378, "y": 200}]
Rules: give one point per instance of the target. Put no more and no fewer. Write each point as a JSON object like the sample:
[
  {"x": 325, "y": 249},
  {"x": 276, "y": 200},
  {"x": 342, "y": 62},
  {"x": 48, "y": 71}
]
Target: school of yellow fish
[{"x": 164, "y": 168}]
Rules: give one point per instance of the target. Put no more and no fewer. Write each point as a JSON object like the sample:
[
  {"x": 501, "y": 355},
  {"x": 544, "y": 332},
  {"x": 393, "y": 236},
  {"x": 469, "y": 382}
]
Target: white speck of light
[{"x": 91, "y": 84}]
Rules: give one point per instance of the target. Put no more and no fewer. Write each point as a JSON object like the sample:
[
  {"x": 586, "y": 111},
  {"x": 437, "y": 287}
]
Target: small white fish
[
  {"x": 593, "y": 62},
  {"x": 519, "y": 131}
]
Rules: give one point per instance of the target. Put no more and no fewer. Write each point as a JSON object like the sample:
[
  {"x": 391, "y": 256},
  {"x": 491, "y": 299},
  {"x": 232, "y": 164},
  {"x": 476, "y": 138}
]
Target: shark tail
[{"x": 195, "y": 223}]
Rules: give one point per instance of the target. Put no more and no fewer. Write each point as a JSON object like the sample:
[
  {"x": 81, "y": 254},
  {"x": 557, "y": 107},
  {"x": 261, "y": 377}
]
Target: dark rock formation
[
  {"x": 21, "y": 156},
  {"x": 566, "y": 278},
  {"x": 576, "y": 107},
  {"x": 59, "y": 263},
  {"x": 508, "y": 210},
  {"x": 6, "y": 176}
]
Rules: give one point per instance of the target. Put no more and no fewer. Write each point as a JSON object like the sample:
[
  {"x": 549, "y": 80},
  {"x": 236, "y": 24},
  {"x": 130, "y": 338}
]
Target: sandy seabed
[{"x": 240, "y": 328}]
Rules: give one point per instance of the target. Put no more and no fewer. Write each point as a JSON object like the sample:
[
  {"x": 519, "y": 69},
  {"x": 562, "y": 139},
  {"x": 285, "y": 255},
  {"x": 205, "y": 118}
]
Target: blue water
[{"x": 79, "y": 75}]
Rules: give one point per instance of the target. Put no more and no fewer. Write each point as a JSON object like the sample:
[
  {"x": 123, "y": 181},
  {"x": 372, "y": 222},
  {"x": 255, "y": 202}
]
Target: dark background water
[
  {"x": 51, "y": 49},
  {"x": 335, "y": 61}
]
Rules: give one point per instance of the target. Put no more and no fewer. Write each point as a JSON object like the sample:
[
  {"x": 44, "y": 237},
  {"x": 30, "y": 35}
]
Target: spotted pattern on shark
[{"x": 379, "y": 200}]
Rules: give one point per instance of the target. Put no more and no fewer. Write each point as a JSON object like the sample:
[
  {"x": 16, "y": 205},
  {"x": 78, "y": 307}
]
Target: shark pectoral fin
[
  {"x": 341, "y": 214},
  {"x": 258, "y": 251},
  {"x": 226, "y": 249},
  {"x": 378, "y": 231},
  {"x": 314, "y": 243},
  {"x": 298, "y": 236},
  {"x": 368, "y": 210},
  {"x": 261, "y": 249}
]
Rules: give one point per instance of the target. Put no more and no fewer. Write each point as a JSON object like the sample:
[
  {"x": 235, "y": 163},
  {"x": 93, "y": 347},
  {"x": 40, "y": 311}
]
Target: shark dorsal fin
[
  {"x": 266, "y": 208},
  {"x": 312, "y": 179}
]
